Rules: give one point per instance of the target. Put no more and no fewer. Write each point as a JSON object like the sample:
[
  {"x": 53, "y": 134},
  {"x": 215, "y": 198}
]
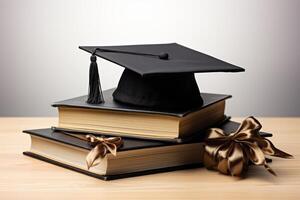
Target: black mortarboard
[{"x": 155, "y": 75}]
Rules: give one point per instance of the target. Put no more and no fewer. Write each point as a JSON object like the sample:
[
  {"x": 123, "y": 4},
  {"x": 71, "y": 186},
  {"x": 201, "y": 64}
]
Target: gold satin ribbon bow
[
  {"x": 230, "y": 154},
  {"x": 102, "y": 146}
]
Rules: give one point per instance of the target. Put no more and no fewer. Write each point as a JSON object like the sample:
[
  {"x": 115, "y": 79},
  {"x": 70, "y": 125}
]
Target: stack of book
[
  {"x": 154, "y": 140},
  {"x": 157, "y": 110}
]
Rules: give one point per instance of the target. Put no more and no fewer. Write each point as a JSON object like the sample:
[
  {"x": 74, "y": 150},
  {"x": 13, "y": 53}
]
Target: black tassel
[
  {"x": 95, "y": 95},
  {"x": 95, "y": 92}
]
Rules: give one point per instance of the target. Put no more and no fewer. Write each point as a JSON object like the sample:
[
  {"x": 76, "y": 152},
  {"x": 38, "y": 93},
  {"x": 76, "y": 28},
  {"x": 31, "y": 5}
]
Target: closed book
[
  {"x": 113, "y": 118},
  {"x": 135, "y": 157}
]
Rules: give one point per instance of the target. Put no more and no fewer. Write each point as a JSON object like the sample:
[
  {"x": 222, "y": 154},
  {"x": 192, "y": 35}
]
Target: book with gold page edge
[
  {"x": 115, "y": 118},
  {"x": 135, "y": 157}
]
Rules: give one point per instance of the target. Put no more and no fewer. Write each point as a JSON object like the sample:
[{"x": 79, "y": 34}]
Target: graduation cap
[{"x": 155, "y": 75}]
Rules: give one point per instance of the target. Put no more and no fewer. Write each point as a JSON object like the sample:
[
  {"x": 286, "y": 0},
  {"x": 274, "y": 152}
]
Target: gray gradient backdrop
[{"x": 40, "y": 61}]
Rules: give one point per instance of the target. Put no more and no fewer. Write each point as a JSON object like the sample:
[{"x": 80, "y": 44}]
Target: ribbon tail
[
  {"x": 270, "y": 149},
  {"x": 267, "y": 167},
  {"x": 282, "y": 154},
  {"x": 258, "y": 158},
  {"x": 93, "y": 155}
]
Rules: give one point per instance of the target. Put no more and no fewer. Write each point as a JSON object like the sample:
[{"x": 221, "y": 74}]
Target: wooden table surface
[{"x": 23, "y": 177}]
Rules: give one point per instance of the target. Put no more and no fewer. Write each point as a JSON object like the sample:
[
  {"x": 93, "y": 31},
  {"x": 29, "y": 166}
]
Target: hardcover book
[
  {"x": 114, "y": 118},
  {"x": 135, "y": 157}
]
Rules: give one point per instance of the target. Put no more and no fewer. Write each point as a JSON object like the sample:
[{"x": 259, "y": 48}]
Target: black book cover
[
  {"x": 110, "y": 104},
  {"x": 60, "y": 136}
]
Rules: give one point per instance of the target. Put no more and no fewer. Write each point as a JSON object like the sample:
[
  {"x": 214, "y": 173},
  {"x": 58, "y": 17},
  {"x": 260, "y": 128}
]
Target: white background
[{"x": 40, "y": 61}]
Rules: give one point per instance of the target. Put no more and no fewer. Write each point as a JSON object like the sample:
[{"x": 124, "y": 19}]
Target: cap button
[{"x": 163, "y": 56}]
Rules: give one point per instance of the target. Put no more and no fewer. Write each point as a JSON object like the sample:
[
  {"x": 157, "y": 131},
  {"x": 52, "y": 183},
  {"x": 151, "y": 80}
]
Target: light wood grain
[{"x": 23, "y": 177}]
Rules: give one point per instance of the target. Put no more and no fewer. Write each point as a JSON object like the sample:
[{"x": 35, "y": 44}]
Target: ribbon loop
[
  {"x": 101, "y": 146},
  {"x": 230, "y": 154}
]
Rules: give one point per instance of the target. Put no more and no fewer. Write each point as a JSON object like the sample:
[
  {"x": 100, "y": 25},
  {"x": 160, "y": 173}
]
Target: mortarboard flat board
[{"x": 159, "y": 75}]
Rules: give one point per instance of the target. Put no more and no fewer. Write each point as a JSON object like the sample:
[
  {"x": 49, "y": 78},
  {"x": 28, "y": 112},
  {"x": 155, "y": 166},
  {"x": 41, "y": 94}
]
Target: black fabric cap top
[{"x": 160, "y": 75}]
